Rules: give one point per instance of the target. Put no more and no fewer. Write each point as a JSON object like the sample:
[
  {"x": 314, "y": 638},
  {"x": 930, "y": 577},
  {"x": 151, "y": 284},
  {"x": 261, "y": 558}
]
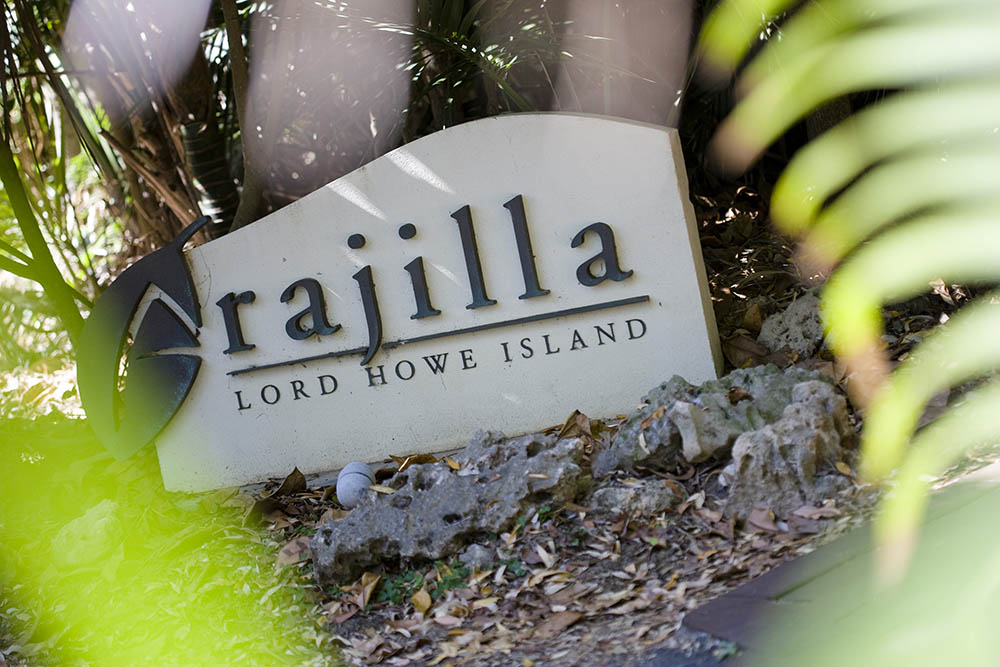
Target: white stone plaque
[{"x": 499, "y": 274}]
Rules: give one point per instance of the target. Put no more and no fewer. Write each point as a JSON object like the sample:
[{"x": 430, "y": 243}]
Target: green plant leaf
[
  {"x": 954, "y": 354},
  {"x": 955, "y": 110},
  {"x": 972, "y": 422},
  {"x": 899, "y": 195},
  {"x": 892, "y": 56},
  {"x": 958, "y": 173},
  {"x": 956, "y": 245},
  {"x": 729, "y": 30},
  {"x": 822, "y": 21}
]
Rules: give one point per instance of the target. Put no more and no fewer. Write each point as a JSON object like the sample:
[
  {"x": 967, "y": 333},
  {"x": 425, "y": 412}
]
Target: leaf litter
[{"x": 566, "y": 585}]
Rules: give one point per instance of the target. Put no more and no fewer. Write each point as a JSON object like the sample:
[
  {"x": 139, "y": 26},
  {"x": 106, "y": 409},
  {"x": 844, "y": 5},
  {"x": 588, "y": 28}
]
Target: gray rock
[
  {"x": 779, "y": 466},
  {"x": 436, "y": 510},
  {"x": 88, "y": 538},
  {"x": 477, "y": 557},
  {"x": 707, "y": 429},
  {"x": 798, "y": 327},
  {"x": 688, "y": 423},
  {"x": 658, "y": 443},
  {"x": 642, "y": 496},
  {"x": 826, "y": 398}
]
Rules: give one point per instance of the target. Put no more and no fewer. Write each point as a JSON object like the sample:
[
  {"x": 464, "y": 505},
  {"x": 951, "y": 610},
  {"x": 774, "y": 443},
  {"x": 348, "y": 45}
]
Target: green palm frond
[{"x": 897, "y": 196}]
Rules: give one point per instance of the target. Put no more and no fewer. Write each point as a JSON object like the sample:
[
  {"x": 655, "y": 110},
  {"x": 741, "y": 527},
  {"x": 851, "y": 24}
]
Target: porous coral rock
[
  {"x": 798, "y": 327},
  {"x": 435, "y": 510},
  {"x": 780, "y": 467},
  {"x": 680, "y": 422},
  {"x": 640, "y": 496}
]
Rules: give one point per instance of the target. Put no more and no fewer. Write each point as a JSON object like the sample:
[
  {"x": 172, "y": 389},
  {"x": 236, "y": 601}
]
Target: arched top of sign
[{"x": 503, "y": 272}]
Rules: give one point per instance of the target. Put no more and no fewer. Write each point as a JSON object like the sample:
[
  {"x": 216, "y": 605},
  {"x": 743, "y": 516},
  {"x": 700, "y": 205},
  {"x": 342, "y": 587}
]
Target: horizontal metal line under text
[{"x": 445, "y": 334}]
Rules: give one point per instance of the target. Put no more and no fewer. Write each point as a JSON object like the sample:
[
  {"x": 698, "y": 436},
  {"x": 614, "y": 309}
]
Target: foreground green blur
[
  {"x": 107, "y": 568},
  {"x": 943, "y": 611},
  {"x": 899, "y": 195}
]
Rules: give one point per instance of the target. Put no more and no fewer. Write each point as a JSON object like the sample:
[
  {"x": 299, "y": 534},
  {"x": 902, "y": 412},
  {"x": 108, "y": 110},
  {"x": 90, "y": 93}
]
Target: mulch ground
[{"x": 568, "y": 586}]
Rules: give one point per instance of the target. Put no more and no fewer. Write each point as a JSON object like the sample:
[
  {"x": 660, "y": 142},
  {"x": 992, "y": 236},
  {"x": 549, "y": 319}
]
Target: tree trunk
[{"x": 46, "y": 273}]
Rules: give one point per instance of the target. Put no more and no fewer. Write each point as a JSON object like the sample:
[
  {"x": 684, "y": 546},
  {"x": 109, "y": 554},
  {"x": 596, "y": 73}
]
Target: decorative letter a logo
[{"x": 127, "y": 415}]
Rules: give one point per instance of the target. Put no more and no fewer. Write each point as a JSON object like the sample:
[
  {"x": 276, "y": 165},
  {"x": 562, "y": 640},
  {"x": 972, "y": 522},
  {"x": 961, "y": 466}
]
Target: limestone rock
[
  {"x": 641, "y": 496},
  {"x": 705, "y": 429},
  {"x": 476, "y": 556},
  {"x": 779, "y": 466},
  {"x": 798, "y": 327},
  {"x": 436, "y": 510},
  {"x": 681, "y": 422}
]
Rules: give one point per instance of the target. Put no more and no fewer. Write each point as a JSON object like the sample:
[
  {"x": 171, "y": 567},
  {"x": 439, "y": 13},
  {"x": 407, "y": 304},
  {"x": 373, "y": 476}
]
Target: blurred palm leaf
[{"x": 897, "y": 196}]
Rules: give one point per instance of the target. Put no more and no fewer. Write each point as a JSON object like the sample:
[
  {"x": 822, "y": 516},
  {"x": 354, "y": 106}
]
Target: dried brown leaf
[
  {"x": 333, "y": 514},
  {"x": 294, "y": 483},
  {"x": 345, "y": 616},
  {"x": 631, "y": 606},
  {"x": 753, "y": 319},
  {"x": 369, "y": 580},
  {"x": 261, "y": 507},
  {"x": 556, "y": 623},
  {"x": 447, "y": 620},
  {"x": 810, "y": 512},
  {"x": 573, "y": 593},
  {"x": 485, "y": 603},
  {"x": 240, "y": 500},
  {"x": 546, "y": 557},
  {"x": 696, "y": 500},
  {"x": 541, "y": 575},
  {"x": 737, "y": 394},
  {"x": 712, "y": 516},
  {"x": 35, "y": 392},
  {"x": 742, "y": 351},
  {"x": 762, "y": 519},
  {"x": 657, "y": 414},
  {"x": 404, "y": 462},
  {"x": 577, "y": 425},
  {"x": 421, "y": 601},
  {"x": 277, "y": 520},
  {"x": 295, "y": 551},
  {"x": 447, "y": 650},
  {"x": 802, "y": 526},
  {"x": 578, "y": 509}
]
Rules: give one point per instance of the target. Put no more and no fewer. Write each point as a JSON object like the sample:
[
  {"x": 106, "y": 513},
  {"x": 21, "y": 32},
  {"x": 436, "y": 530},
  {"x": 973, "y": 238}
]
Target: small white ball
[{"x": 352, "y": 482}]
